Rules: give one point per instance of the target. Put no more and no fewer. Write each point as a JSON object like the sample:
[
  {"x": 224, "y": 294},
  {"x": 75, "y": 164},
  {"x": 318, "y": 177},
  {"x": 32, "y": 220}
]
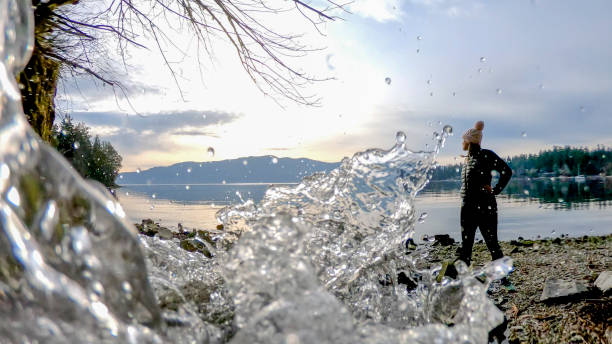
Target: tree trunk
[{"x": 38, "y": 84}]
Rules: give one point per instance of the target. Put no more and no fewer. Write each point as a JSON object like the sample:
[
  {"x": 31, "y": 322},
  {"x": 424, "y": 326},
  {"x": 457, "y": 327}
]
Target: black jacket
[{"x": 476, "y": 173}]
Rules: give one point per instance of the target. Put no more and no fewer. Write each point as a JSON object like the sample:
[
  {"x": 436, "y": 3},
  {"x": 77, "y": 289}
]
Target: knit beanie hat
[{"x": 474, "y": 135}]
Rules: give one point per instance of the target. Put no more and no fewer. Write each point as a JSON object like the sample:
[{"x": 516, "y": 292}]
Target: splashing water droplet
[
  {"x": 223, "y": 182},
  {"x": 76, "y": 145},
  {"x": 454, "y": 94},
  {"x": 153, "y": 196},
  {"x": 499, "y": 91},
  {"x": 418, "y": 51},
  {"x": 189, "y": 170},
  {"x": 388, "y": 80},
  {"x": 483, "y": 59},
  {"x": 422, "y": 217},
  {"x": 582, "y": 109},
  {"x": 275, "y": 160},
  {"x": 526, "y": 192},
  {"x": 428, "y": 82},
  {"x": 211, "y": 151},
  {"x": 203, "y": 116},
  {"x": 138, "y": 170},
  {"x": 419, "y": 38},
  {"x": 431, "y": 94},
  {"x": 400, "y": 137},
  {"x": 447, "y": 129},
  {"x": 187, "y": 187},
  {"x": 244, "y": 162},
  {"x": 524, "y": 134}
]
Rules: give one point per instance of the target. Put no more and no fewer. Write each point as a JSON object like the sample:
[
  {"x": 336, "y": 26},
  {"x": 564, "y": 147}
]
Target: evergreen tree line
[
  {"x": 558, "y": 161},
  {"x": 93, "y": 159}
]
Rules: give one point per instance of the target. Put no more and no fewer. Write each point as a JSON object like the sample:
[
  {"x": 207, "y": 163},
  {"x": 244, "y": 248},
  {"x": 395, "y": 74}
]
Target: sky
[{"x": 537, "y": 72}]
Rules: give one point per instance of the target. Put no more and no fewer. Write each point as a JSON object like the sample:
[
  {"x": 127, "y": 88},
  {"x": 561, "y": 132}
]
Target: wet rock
[
  {"x": 443, "y": 240},
  {"x": 195, "y": 245},
  {"x": 558, "y": 289},
  {"x": 604, "y": 281},
  {"x": 164, "y": 233},
  {"x": 557, "y": 241},
  {"x": 402, "y": 278},
  {"x": 516, "y": 250},
  {"x": 204, "y": 235},
  {"x": 522, "y": 243}
]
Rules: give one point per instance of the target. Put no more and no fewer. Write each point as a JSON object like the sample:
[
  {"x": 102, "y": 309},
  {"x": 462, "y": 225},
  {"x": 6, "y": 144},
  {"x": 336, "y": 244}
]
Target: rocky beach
[{"x": 558, "y": 296}]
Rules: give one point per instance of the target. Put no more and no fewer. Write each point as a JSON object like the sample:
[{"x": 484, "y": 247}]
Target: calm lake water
[{"x": 528, "y": 208}]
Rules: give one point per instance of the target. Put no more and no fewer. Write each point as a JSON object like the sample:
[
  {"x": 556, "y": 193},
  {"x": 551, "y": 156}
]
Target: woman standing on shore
[{"x": 478, "y": 205}]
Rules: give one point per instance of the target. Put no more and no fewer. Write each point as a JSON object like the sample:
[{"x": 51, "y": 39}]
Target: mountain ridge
[{"x": 252, "y": 169}]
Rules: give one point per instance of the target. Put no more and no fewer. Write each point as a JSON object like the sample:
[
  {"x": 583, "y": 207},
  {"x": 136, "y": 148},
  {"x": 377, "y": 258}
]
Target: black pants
[{"x": 483, "y": 216}]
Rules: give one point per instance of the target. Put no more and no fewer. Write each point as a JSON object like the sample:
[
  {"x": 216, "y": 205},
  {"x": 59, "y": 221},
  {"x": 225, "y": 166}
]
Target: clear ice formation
[{"x": 307, "y": 267}]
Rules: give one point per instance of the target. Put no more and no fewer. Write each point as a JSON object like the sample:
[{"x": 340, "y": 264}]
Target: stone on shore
[
  {"x": 443, "y": 240},
  {"x": 557, "y": 288},
  {"x": 164, "y": 233},
  {"x": 604, "y": 281}
]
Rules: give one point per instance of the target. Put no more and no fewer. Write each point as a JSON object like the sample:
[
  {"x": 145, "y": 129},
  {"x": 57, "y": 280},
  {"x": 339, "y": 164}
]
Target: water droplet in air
[
  {"x": 447, "y": 129},
  {"x": 138, "y": 170},
  {"x": 526, "y": 192},
  {"x": 499, "y": 91},
  {"x": 541, "y": 86},
  {"x": 560, "y": 200},
  {"x": 582, "y": 109},
  {"x": 76, "y": 145},
  {"x": 274, "y": 160},
  {"x": 483, "y": 59},
  {"x": 189, "y": 170},
  {"x": 553, "y": 232},
  {"x": 244, "y": 162},
  {"x": 223, "y": 182},
  {"x": 203, "y": 116},
  {"x": 121, "y": 176},
  {"x": 187, "y": 187},
  {"x": 388, "y": 80},
  {"x": 524, "y": 134},
  {"x": 153, "y": 195},
  {"x": 431, "y": 94},
  {"x": 454, "y": 94},
  {"x": 428, "y": 82},
  {"x": 400, "y": 137},
  {"x": 418, "y": 51},
  {"x": 419, "y": 38},
  {"x": 422, "y": 217},
  {"x": 211, "y": 151}
]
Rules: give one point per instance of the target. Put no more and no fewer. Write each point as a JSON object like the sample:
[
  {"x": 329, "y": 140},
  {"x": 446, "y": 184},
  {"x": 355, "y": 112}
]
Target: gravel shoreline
[{"x": 585, "y": 318}]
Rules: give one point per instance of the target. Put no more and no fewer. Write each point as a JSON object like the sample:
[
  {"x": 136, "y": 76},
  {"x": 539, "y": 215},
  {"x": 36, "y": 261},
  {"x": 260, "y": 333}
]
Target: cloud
[
  {"x": 136, "y": 135},
  {"x": 379, "y": 10}
]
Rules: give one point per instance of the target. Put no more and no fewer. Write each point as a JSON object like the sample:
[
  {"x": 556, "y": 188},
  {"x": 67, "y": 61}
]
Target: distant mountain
[{"x": 262, "y": 169}]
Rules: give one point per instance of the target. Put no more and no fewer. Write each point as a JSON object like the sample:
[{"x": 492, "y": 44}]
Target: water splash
[
  {"x": 317, "y": 252},
  {"x": 307, "y": 266},
  {"x": 65, "y": 241}
]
